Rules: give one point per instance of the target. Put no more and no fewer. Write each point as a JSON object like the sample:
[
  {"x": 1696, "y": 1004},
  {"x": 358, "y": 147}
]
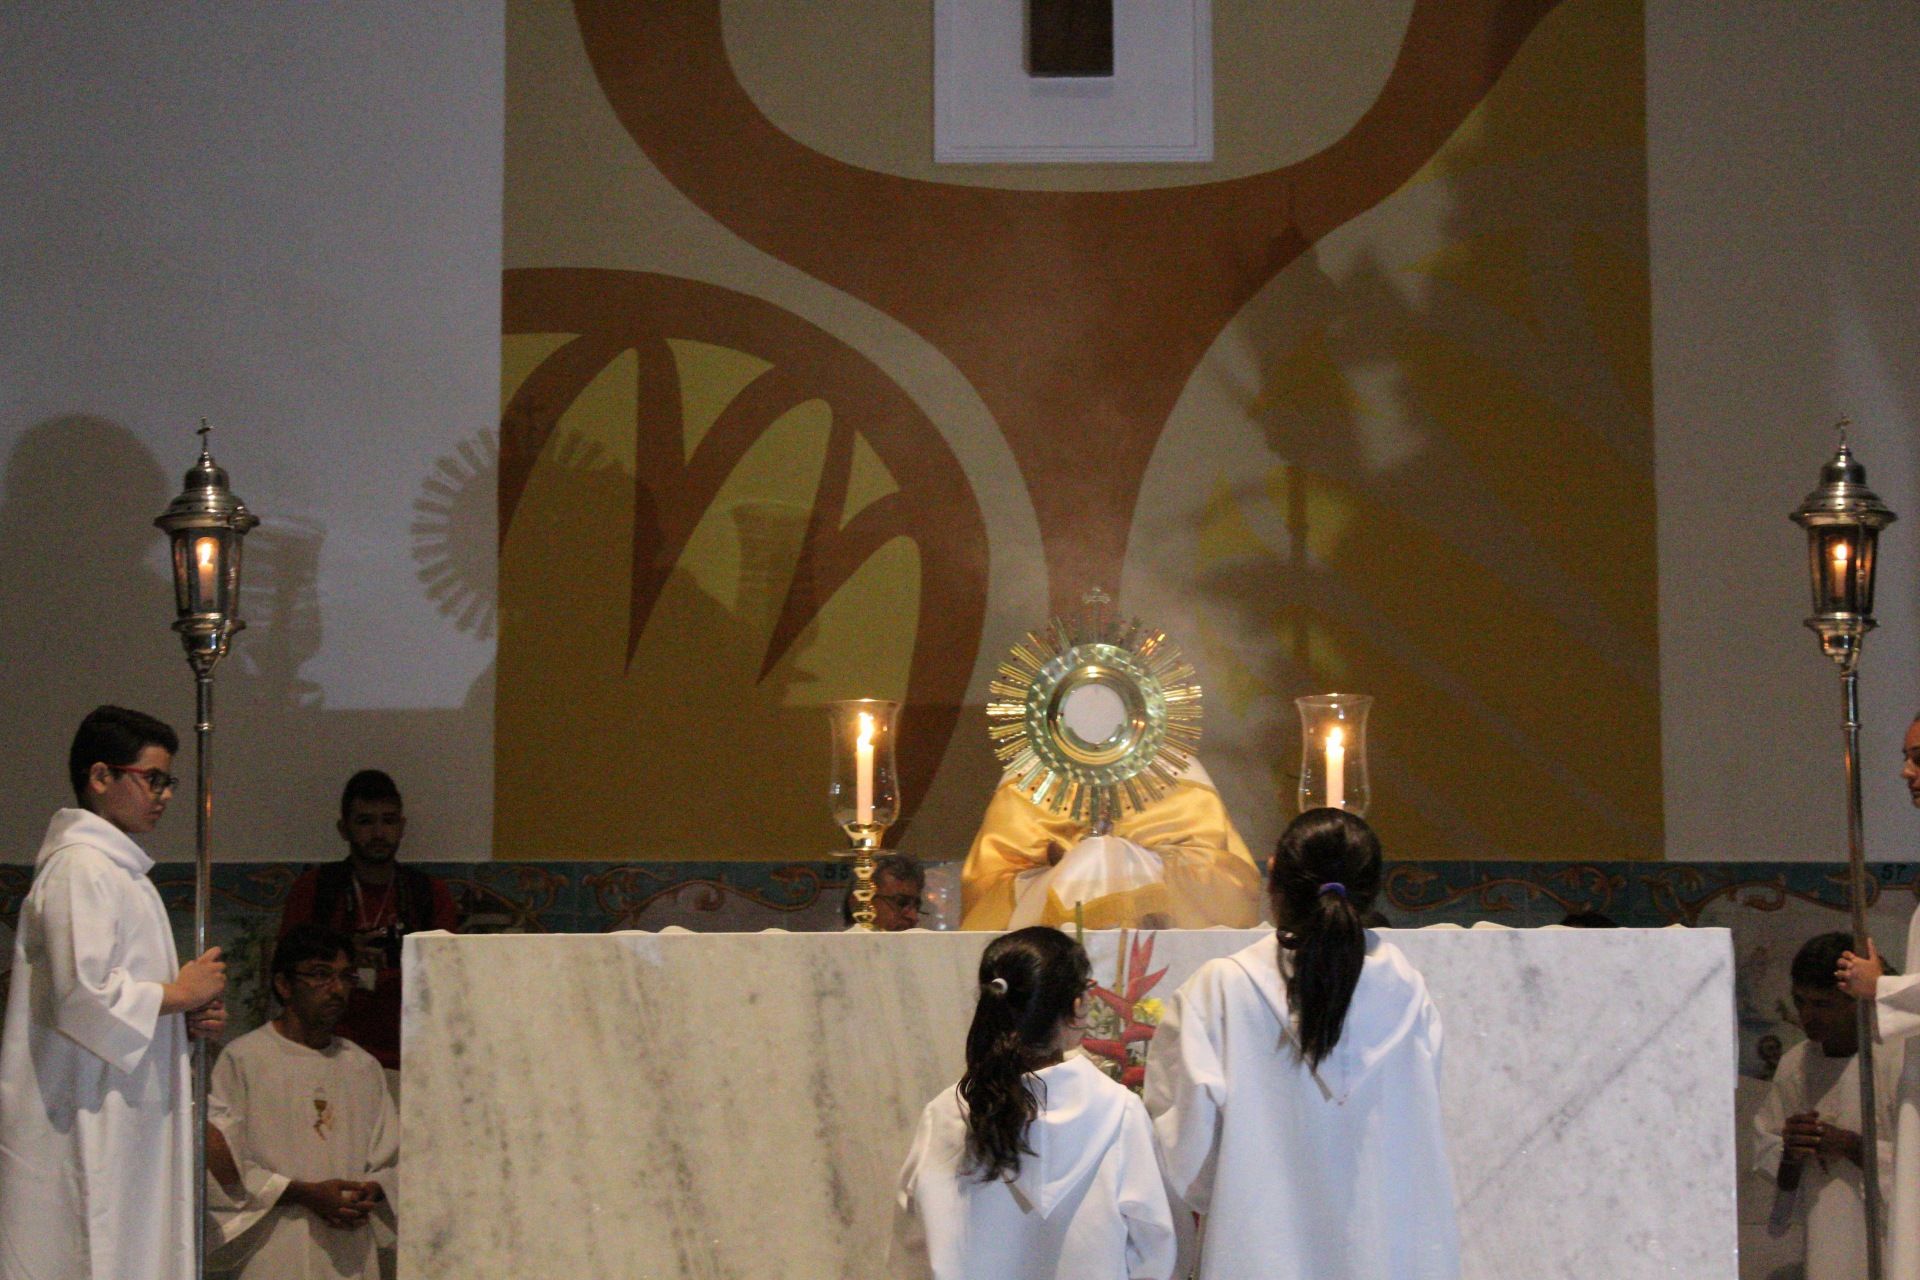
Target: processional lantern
[
  {"x": 1843, "y": 519},
  {"x": 864, "y": 789},
  {"x": 206, "y": 524}
]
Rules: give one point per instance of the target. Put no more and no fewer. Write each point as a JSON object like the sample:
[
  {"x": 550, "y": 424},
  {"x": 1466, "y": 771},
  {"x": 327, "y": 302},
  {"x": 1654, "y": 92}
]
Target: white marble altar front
[{"x": 737, "y": 1105}]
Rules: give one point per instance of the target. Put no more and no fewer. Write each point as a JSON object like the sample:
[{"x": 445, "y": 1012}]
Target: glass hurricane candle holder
[
  {"x": 865, "y": 787},
  {"x": 1333, "y": 752}
]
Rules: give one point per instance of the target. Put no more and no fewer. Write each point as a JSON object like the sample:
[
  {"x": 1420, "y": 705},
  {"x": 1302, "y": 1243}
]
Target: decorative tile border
[
  {"x": 1770, "y": 907},
  {"x": 591, "y": 897},
  {"x": 1646, "y": 895}
]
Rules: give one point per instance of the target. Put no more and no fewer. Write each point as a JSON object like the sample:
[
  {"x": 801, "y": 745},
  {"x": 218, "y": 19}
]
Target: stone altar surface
[{"x": 737, "y": 1105}]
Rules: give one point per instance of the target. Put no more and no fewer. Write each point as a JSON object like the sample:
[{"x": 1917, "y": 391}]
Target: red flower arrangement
[{"x": 1122, "y": 1022}]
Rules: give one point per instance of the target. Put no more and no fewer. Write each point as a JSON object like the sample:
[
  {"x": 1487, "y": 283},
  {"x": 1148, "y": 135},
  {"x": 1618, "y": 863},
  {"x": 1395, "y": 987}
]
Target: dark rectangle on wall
[{"x": 1069, "y": 37}]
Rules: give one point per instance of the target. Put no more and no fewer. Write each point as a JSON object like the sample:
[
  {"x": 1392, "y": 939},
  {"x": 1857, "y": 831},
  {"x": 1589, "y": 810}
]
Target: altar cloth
[{"x": 737, "y": 1105}]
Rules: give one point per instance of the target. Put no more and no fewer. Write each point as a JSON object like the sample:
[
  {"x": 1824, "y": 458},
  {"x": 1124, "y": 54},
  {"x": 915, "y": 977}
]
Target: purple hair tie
[{"x": 1333, "y": 886}]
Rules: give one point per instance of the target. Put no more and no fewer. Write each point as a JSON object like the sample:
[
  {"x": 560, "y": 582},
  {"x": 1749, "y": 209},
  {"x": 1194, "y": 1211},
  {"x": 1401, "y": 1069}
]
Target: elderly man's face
[{"x": 896, "y": 904}]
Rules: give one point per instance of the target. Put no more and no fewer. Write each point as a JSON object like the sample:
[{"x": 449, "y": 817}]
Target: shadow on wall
[
  {"x": 74, "y": 569},
  {"x": 86, "y": 603},
  {"x": 84, "y": 561},
  {"x": 651, "y": 720},
  {"x": 1454, "y": 391}
]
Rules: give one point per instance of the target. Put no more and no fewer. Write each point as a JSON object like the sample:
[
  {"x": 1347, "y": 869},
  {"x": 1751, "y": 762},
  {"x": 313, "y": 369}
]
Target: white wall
[
  {"x": 1784, "y": 165},
  {"x": 286, "y": 218},
  {"x": 283, "y": 217}
]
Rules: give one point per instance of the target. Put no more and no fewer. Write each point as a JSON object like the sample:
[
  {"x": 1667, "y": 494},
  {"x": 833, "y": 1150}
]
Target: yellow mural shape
[
  {"x": 673, "y": 760},
  {"x": 710, "y": 378},
  {"x": 1577, "y": 86},
  {"x": 1492, "y": 268}
]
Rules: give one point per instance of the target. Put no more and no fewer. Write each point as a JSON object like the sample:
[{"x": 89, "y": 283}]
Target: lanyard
[{"x": 360, "y": 919}]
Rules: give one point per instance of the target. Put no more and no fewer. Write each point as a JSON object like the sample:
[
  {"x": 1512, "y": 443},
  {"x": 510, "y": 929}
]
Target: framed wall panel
[{"x": 1156, "y": 106}]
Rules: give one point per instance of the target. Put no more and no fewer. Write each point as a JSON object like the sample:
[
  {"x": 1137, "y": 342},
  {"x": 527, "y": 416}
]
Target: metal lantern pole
[
  {"x": 1843, "y": 519},
  {"x": 205, "y": 524}
]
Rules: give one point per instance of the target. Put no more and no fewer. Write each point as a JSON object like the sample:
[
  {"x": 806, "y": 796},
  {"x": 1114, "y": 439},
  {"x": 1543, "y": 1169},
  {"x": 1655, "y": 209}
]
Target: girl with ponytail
[
  {"x": 1035, "y": 1164},
  {"x": 1295, "y": 1085}
]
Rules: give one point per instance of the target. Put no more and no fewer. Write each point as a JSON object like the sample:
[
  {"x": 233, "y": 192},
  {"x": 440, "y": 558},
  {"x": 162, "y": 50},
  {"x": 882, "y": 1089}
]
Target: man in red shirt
[{"x": 375, "y": 901}]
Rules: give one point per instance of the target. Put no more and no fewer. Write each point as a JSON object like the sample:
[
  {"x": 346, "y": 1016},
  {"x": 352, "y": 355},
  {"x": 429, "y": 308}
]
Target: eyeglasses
[
  {"x": 902, "y": 901},
  {"x": 157, "y": 780},
  {"x": 323, "y": 978}
]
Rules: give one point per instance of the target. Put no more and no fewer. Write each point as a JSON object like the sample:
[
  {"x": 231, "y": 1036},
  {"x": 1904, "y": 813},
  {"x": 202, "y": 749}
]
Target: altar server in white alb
[
  {"x": 96, "y": 1107},
  {"x": 1295, "y": 1086},
  {"x": 1808, "y": 1131},
  {"x": 1036, "y": 1163},
  {"x": 1896, "y": 1012},
  {"x": 306, "y": 1149}
]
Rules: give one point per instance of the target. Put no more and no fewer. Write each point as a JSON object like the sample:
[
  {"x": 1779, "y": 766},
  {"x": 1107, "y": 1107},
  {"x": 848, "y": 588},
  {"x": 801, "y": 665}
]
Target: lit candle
[
  {"x": 863, "y": 773},
  {"x": 1336, "y": 768},
  {"x": 203, "y": 554},
  {"x": 1841, "y": 596}
]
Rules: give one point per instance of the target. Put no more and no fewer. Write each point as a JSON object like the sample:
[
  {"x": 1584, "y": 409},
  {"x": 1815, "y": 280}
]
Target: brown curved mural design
[
  {"x": 570, "y": 727},
  {"x": 1376, "y": 419},
  {"x": 1134, "y": 285}
]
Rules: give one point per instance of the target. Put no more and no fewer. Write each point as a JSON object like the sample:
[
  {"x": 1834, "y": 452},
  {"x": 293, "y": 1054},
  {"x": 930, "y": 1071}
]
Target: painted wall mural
[{"x": 783, "y": 422}]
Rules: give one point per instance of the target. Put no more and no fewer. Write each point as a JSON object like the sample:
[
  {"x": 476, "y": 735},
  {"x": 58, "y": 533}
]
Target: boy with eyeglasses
[
  {"x": 96, "y": 1105},
  {"x": 306, "y": 1143}
]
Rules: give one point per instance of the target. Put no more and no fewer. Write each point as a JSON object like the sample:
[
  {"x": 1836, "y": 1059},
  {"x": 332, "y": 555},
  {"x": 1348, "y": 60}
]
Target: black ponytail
[
  {"x": 1325, "y": 873},
  {"x": 1029, "y": 981}
]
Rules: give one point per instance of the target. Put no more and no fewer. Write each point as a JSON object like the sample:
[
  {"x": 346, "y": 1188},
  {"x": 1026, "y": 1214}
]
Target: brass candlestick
[{"x": 865, "y": 789}]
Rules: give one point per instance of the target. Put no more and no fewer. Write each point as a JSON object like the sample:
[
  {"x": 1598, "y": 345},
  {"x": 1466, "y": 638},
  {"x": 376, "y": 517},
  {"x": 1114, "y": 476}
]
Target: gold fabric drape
[{"x": 1209, "y": 879}]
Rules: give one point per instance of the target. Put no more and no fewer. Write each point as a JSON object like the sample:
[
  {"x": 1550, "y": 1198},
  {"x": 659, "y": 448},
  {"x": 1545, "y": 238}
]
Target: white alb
[
  {"x": 1896, "y": 1021},
  {"x": 292, "y": 1112},
  {"x": 1088, "y": 1204},
  {"x": 96, "y": 1145},
  {"x": 1336, "y": 1173}
]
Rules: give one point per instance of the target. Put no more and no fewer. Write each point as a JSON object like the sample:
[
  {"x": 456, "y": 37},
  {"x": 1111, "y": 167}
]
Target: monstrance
[{"x": 1094, "y": 718}]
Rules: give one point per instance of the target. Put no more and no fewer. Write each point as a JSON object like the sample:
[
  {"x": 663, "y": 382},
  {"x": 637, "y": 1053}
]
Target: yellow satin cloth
[{"x": 1209, "y": 876}]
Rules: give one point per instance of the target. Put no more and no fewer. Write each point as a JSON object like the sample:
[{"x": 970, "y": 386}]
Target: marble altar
[{"x": 737, "y": 1105}]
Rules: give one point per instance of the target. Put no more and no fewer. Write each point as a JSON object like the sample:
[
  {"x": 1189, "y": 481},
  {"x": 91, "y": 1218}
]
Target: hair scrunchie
[
  {"x": 997, "y": 985},
  {"x": 1333, "y": 886}
]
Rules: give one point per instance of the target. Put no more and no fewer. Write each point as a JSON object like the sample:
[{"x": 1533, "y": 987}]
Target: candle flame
[
  {"x": 1840, "y": 554},
  {"x": 866, "y": 730},
  {"x": 1336, "y": 738},
  {"x": 203, "y": 550}
]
